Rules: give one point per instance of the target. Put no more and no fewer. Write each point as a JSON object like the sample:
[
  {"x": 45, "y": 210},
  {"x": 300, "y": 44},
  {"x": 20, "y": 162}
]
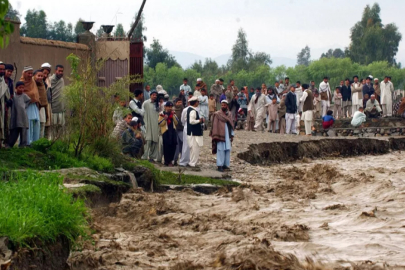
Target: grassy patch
[
  {"x": 84, "y": 191},
  {"x": 54, "y": 157},
  {"x": 35, "y": 206},
  {"x": 170, "y": 178}
]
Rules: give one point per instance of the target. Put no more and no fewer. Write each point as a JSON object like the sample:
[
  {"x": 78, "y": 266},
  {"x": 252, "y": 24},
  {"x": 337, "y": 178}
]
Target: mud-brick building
[{"x": 121, "y": 57}]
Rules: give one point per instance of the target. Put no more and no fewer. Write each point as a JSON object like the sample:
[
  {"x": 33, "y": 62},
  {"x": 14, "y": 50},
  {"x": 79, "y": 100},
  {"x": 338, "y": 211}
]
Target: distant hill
[{"x": 186, "y": 59}]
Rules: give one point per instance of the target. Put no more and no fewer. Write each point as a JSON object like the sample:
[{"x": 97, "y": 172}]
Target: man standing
[
  {"x": 307, "y": 100},
  {"x": 185, "y": 152},
  {"x": 185, "y": 87},
  {"x": 326, "y": 95},
  {"x": 9, "y": 82},
  {"x": 136, "y": 105},
  {"x": 357, "y": 94},
  {"x": 232, "y": 88},
  {"x": 278, "y": 88},
  {"x": 203, "y": 99},
  {"x": 377, "y": 90},
  {"x": 146, "y": 93},
  {"x": 57, "y": 104},
  {"x": 257, "y": 108},
  {"x": 216, "y": 90},
  {"x": 298, "y": 93},
  {"x": 194, "y": 132},
  {"x": 346, "y": 99},
  {"x": 387, "y": 88},
  {"x": 151, "y": 117},
  {"x": 222, "y": 136},
  {"x": 178, "y": 109},
  {"x": 368, "y": 88},
  {"x": 312, "y": 87},
  {"x": 286, "y": 85},
  {"x": 291, "y": 110},
  {"x": 4, "y": 96}
]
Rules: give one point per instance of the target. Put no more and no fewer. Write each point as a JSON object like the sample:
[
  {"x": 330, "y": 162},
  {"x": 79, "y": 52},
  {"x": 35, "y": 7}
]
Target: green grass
[
  {"x": 39, "y": 157},
  {"x": 170, "y": 178},
  {"x": 36, "y": 206},
  {"x": 82, "y": 192}
]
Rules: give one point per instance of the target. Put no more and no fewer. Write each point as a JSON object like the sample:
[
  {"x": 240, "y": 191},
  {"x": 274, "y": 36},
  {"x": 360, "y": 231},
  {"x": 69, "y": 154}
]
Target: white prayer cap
[
  {"x": 46, "y": 65},
  {"x": 224, "y": 101},
  {"x": 370, "y": 76},
  {"x": 217, "y": 80},
  {"x": 372, "y": 96},
  {"x": 159, "y": 88},
  {"x": 376, "y": 79},
  {"x": 199, "y": 80},
  {"x": 135, "y": 119},
  {"x": 192, "y": 99},
  {"x": 28, "y": 68}
]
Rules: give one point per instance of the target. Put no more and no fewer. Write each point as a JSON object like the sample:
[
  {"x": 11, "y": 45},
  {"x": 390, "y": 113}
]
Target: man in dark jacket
[
  {"x": 291, "y": 110},
  {"x": 368, "y": 87},
  {"x": 346, "y": 99}
]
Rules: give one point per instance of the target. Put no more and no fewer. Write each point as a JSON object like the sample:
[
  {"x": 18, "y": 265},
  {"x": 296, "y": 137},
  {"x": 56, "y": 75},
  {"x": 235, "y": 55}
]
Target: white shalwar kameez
[
  {"x": 194, "y": 142},
  {"x": 185, "y": 153},
  {"x": 386, "y": 97},
  {"x": 259, "y": 109}
]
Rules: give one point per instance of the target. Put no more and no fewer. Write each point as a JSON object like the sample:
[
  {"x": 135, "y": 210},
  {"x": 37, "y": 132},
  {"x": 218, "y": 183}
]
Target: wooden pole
[{"x": 137, "y": 20}]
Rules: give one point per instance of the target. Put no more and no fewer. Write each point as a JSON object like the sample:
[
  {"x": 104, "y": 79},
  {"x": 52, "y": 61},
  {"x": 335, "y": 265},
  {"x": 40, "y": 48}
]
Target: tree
[
  {"x": 61, "y": 31},
  {"x": 371, "y": 40},
  {"x": 100, "y": 32},
  {"x": 156, "y": 54},
  {"x": 6, "y": 27},
  {"x": 138, "y": 34},
  {"x": 12, "y": 14},
  {"x": 119, "y": 31},
  {"x": 79, "y": 29},
  {"x": 337, "y": 53},
  {"x": 304, "y": 56},
  {"x": 35, "y": 25},
  {"x": 243, "y": 58}
]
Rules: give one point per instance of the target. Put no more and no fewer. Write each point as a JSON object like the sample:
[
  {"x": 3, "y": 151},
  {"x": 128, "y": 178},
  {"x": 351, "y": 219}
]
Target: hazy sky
[{"x": 209, "y": 27}]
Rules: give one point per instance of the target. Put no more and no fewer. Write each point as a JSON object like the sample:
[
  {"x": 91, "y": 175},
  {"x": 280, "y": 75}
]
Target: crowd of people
[
  {"x": 154, "y": 127},
  {"x": 33, "y": 107},
  {"x": 172, "y": 130}
]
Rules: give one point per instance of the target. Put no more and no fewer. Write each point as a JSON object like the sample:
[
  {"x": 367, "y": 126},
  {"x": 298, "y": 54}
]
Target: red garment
[{"x": 327, "y": 124}]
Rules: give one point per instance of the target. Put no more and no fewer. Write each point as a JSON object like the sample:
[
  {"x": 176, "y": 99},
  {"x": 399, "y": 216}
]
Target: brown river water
[{"x": 341, "y": 213}]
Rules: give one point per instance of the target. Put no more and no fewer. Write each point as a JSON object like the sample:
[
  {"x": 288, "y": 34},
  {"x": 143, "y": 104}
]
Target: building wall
[{"x": 34, "y": 52}]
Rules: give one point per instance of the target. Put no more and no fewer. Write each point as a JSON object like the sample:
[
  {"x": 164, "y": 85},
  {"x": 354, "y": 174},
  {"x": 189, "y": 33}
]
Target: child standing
[
  {"x": 317, "y": 105},
  {"x": 272, "y": 109},
  {"x": 337, "y": 99},
  {"x": 19, "y": 119},
  {"x": 211, "y": 106}
]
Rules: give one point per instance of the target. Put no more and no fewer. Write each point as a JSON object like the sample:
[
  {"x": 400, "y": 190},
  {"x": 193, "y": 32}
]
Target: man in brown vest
[{"x": 307, "y": 100}]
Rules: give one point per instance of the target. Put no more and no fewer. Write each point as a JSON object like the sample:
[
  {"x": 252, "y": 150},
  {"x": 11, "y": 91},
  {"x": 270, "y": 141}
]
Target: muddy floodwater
[{"x": 311, "y": 214}]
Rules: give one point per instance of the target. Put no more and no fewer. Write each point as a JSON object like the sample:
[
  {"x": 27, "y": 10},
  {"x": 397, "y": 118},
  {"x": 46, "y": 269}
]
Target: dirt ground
[{"x": 342, "y": 213}]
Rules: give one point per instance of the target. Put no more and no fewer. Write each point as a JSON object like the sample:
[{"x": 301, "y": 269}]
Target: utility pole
[{"x": 137, "y": 20}]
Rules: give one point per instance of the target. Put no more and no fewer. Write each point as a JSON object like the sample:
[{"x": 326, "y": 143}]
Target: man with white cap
[
  {"x": 222, "y": 136},
  {"x": 216, "y": 89},
  {"x": 185, "y": 151},
  {"x": 194, "y": 131},
  {"x": 132, "y": 139}
]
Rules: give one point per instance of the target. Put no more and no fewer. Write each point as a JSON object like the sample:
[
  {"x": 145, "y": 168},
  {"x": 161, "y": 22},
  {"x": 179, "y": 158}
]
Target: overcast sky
[{"x": 209, "y": 27}]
